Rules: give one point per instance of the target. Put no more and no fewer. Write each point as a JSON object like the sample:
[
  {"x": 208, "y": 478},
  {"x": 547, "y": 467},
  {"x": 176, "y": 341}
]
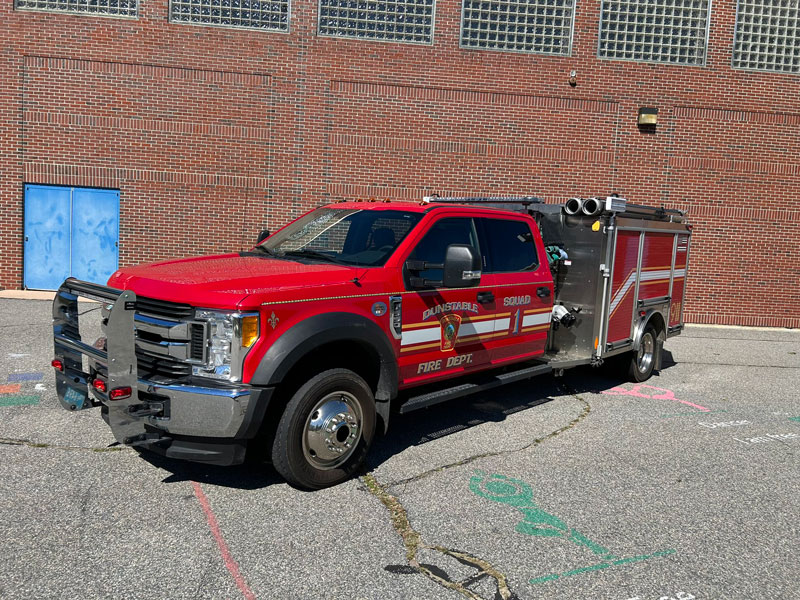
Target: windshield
[{"x": 364, "y": 238}]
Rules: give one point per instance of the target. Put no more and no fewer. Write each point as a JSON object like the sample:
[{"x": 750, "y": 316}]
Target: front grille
[
  {"x": 163, "y": 308},
  {"x": 198, "y": 341},
  {"x": 150, "y": 366}
]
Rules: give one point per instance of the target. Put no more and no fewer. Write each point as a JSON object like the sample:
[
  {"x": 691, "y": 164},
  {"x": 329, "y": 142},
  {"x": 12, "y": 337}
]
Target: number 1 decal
[{"x": 515, "y": 326}]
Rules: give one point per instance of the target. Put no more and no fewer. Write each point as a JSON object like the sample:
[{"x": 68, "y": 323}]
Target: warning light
[
  {"x": 120, "y": 393},
  {"x": 596, "y": 342},
  {"x": 99, "y": 385},
  {"x": 56, "y": 363}
]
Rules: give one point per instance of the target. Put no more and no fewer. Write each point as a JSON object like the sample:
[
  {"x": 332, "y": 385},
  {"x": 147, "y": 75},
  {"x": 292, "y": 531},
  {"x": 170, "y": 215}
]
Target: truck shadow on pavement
[{"x": 418, "y": 427}]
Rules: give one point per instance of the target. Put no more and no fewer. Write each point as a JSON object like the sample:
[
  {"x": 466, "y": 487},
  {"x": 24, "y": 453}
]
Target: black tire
[
  {"x": 642, "y": 362},
  {"x": 326, "y": 430}
]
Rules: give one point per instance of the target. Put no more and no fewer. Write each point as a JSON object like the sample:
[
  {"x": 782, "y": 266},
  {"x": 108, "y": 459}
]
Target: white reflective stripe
[
  {"x": 467, "y": 328},
  {"x": 646, "y": 276},
  {"x": 537, "y": 319},
  {"x": 652, "y": 275},
  {"x": 421, "y": 335},
  {"x": 476, "y": 327},
  {"x": 502, "y": 324}
]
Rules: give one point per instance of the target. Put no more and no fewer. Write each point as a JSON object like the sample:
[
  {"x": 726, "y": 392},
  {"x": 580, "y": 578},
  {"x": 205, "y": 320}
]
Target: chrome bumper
[{"x": 153, "y": 413}]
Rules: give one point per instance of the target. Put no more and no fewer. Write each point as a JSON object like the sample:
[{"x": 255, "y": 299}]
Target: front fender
[{"x": 322, "y": 329}]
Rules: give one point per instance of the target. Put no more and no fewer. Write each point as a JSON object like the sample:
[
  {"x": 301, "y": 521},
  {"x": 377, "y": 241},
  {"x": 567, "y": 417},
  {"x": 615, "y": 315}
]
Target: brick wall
[{"x": 211, "y": 134}]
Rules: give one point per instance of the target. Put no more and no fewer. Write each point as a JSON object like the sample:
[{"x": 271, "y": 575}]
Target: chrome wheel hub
[
  {"x": 332, "y": 431},
  {"x": 645, "y": 355}
]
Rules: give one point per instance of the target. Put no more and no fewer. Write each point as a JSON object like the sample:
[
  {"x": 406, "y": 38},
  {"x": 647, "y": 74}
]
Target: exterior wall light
[{"x": 648, "y": 116}]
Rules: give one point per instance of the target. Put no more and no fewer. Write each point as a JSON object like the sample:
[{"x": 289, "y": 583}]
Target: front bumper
[{"x": 208, "y": 422}]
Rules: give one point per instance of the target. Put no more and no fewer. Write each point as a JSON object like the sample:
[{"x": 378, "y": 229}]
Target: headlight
[{"x": 230, "y": 336}]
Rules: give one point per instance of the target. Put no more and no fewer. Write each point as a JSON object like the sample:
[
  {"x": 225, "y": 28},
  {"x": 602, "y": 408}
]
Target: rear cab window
[{"x": 508, "y": 245}]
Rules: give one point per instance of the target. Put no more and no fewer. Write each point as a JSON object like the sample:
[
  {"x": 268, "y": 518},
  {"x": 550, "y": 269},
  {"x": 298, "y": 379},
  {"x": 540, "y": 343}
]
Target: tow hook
[
  {"x": 147, "y": 438},
  {"x": 146, "y": 410}
]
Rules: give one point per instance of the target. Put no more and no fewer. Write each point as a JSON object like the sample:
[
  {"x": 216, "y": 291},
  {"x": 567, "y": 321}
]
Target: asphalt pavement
[{"x": 577, "y": 487}]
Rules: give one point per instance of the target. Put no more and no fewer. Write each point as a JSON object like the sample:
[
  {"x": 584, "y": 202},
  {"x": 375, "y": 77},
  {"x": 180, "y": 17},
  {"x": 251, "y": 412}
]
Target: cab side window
[
  {"x": 510, "y": 246},
  {"x": 433, "y": 246}
]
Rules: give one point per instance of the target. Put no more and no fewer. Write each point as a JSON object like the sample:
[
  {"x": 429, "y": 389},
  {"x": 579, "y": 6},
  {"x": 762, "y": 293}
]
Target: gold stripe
[
  {"x": 536, "y": 311},
  {"x": 654, "y": 281},
  {"x": 409, "y": 348},
  {"x": 430, "y": 324},
  {"x": 403, "y": 293},
  {"x": 535, "y": 328},
  {"x": 483, "y": 336}
]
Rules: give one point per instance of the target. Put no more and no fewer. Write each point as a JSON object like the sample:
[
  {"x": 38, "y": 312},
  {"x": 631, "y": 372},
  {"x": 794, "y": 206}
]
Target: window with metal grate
[
  {"x": 409, "y": 21},
  {"x": 767, "y": 36},
  {"x": 668, "y": 31},
  {"x": 539, "y": 26},
  {"x": 247, "y": 14},
  {"x": 106, "y": 8}
]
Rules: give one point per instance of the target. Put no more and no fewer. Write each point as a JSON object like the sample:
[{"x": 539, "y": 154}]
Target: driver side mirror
[
  {"x": 262, "y": 236},
  {"x": 462, "y": 266}
]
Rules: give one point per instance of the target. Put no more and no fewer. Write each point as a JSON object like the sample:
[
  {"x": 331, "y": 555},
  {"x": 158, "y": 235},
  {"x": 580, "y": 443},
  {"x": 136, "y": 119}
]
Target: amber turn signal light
[{"x": 249, "y": 330}]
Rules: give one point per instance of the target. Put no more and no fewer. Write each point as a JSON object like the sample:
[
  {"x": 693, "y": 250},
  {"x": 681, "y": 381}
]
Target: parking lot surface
[{"x": 577, "y": 487}]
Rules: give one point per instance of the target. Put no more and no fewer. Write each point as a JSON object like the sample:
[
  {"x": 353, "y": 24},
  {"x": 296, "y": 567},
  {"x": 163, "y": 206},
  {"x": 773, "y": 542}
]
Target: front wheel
[
  {"x": 643, "y": 360},
  {"x": 326, "y": 430}
]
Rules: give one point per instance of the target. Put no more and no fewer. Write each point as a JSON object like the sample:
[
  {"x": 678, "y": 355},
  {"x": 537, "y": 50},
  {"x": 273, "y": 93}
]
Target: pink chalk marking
[
  {"x": 660, "y": 394},
  {"x": 227, "y": 558}
]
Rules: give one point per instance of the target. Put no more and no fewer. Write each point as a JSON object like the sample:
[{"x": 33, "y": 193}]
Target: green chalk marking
[
  {"x": 18, "y": 400},
  {"x": 694, "y": 413},
  {"x": 596, "y": 567},
  {"x": 545, "y": 578},
  {"x": 795, "y": 419}
]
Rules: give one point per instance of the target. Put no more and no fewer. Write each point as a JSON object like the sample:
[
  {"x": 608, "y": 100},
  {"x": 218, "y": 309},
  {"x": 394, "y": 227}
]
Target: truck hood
[{"x": 225, "y": 280}]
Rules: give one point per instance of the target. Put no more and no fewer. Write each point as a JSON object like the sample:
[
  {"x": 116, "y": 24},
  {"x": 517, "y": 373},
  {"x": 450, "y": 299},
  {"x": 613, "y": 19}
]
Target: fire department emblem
[{"x": 450, "y": 324}]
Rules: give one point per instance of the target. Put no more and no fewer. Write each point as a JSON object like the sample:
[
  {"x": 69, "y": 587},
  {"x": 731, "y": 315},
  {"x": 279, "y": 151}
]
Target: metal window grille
[
  {"x": 113, "y": 8},
  {"x": 543, "y": 26},
  {"x": 670, "y": 31},
  {"x": 385, "y": 20},
  {"x": 767, "y": 35},
  {"x": 270, "y": 15}
]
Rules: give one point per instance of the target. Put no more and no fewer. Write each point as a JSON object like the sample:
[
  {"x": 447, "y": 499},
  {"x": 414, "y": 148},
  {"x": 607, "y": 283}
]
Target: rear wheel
[
  {"x": 325, "y": 432},
  {"x": 642, "y": 361}
]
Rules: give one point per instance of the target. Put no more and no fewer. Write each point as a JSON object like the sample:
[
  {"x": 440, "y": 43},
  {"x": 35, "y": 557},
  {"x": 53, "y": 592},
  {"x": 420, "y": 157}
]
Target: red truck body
[{"x": 365, "y": 302}]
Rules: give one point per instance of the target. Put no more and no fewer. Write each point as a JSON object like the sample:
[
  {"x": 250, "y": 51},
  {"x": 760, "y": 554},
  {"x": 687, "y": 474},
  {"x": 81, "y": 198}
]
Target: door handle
[
  {"x": 485, "y": 297},
  {"x": 543, "y": 292}
]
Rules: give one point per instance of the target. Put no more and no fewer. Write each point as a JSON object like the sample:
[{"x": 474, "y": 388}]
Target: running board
[{"x": 465, "y": 389}]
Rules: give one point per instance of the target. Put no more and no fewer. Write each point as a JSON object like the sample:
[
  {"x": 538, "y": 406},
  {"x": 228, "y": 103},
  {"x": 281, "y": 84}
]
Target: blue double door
[{"x": 69, "y": 232}]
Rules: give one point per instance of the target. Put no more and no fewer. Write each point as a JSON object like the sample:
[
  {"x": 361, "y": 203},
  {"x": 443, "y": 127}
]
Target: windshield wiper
[
  {"x": 265, "y": 250},
  {"x": 307, "y": 252}
]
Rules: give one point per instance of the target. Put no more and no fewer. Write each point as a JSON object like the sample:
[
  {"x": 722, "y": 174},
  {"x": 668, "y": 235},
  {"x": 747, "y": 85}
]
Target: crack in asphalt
[
  {"x": 465, "y": 461},
  {"x": 412, "y": 539},
  {"x": 30, "y": 444},
  {"x": 413, "y": 542}
]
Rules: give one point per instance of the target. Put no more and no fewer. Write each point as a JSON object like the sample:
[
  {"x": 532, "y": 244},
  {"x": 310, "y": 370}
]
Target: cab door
[
  {"x": 445, "y": 331},
  {"x": 516, "y": 269}
]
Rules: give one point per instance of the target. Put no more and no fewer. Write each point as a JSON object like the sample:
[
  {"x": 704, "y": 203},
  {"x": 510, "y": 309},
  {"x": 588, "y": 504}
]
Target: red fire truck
[{"x": 308, "y": 340}]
